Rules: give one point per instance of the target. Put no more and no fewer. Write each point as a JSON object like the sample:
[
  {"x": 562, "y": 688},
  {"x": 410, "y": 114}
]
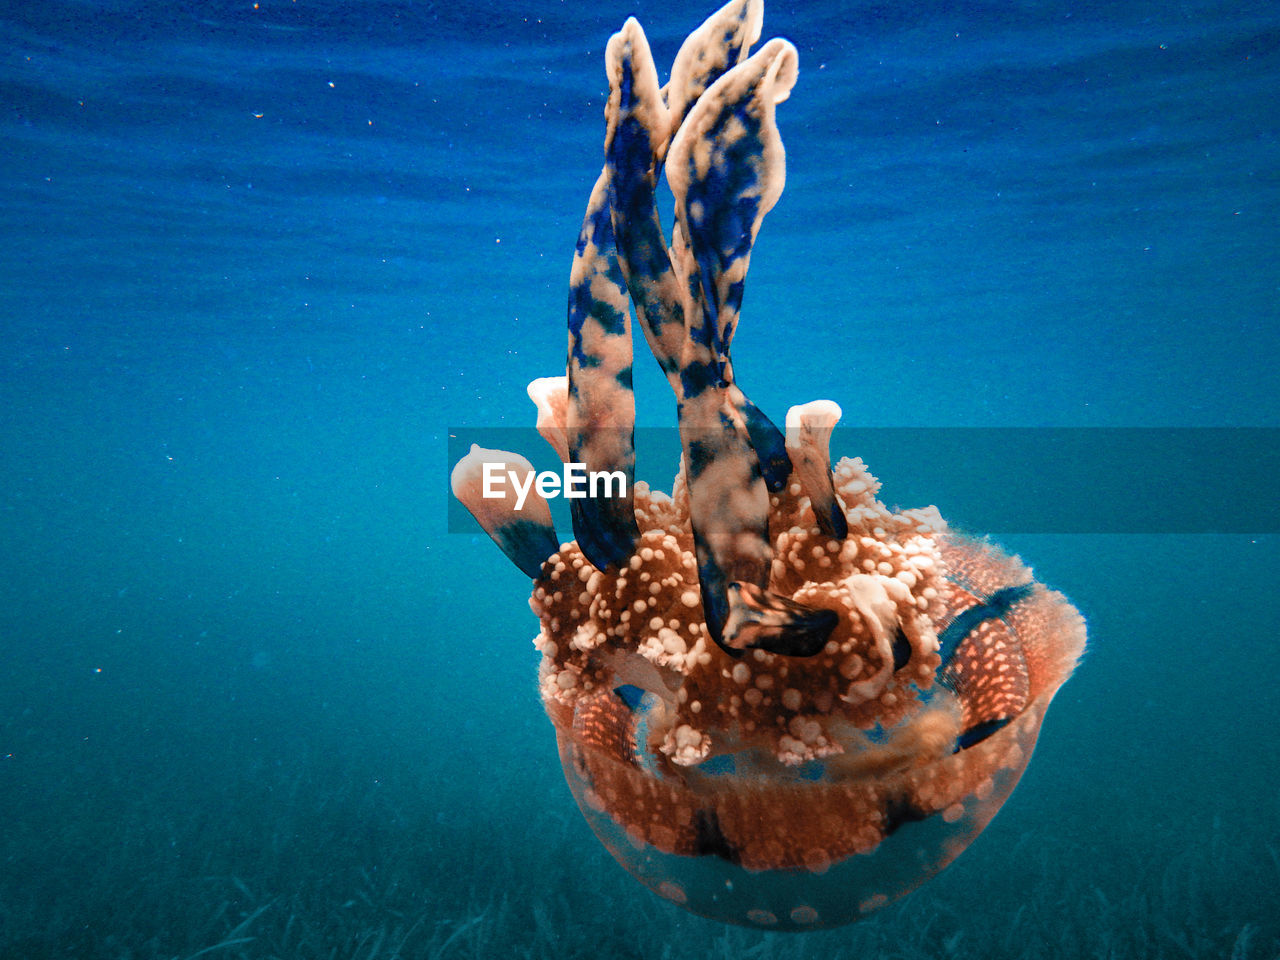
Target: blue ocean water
[{"x": 259, "y": 260}]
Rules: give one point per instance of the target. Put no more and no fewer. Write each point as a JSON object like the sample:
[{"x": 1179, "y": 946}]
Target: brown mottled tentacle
[
  {"x": 720, "y": 429},
  {"x": 600, "y": 417}
]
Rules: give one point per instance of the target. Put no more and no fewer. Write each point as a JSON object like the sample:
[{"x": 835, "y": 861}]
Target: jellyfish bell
[
  {"x": 777, "y": 702},
  {"x": 797, "y": 793}
]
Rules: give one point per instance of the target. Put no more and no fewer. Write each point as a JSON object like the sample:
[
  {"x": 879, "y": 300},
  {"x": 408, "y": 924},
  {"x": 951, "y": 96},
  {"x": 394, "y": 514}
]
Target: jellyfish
[{"x": 776, "y": 701}]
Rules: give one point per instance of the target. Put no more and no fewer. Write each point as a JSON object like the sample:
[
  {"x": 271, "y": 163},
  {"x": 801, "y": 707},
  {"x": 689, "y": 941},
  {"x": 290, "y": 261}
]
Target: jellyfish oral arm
[{"x": 689, "y": 314}]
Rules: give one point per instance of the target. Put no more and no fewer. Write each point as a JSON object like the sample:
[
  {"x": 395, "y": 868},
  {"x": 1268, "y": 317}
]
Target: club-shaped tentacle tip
[
  {"x": 551, "y": 396},
  {"x": 783, "y": 70},
  {"x": 809, "y": 427},
  {"x": 634, "y": 88},
  {"x": 720, "y": 43},
  {"x": 498, "y": 489}
]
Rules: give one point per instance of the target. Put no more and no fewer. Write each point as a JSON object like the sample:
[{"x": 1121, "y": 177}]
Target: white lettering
[
  {"x": 491, "y": 478},
  {"x": 575, "y": 478},
  {"x": 601, "y": 478},
  {"x": 575, "y": 482},
  {"x": 522, "y": 490},
  {"x": 548, "y": 484}
]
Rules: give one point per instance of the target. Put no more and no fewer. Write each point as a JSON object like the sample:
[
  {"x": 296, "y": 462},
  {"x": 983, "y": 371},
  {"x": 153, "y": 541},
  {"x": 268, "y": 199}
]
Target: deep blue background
[{"x": 256, "y": 263}]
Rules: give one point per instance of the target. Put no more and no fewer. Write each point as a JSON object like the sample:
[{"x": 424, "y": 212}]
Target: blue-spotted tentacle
[
  {"x": 729, "y": 513},
  {"x": 727, "y": 168},
  {"x": 766, "y": 439},
  {"x": 728, "y": 496},
  {"x": 600, "y": 415},
  {"x": 601, "y": 401},
  {"x": 511, "y": 510},
  {"x": 728, "y": 501},
  {"x": 722, "y": 42},
  {"x": 636, "y": 137},
  {"x": 728, "y": 507}
]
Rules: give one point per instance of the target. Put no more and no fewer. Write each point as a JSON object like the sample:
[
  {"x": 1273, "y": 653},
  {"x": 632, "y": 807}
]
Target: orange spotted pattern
[
  {"x": 769, "y": 764},
  {"x": 989, "y": 674}
]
